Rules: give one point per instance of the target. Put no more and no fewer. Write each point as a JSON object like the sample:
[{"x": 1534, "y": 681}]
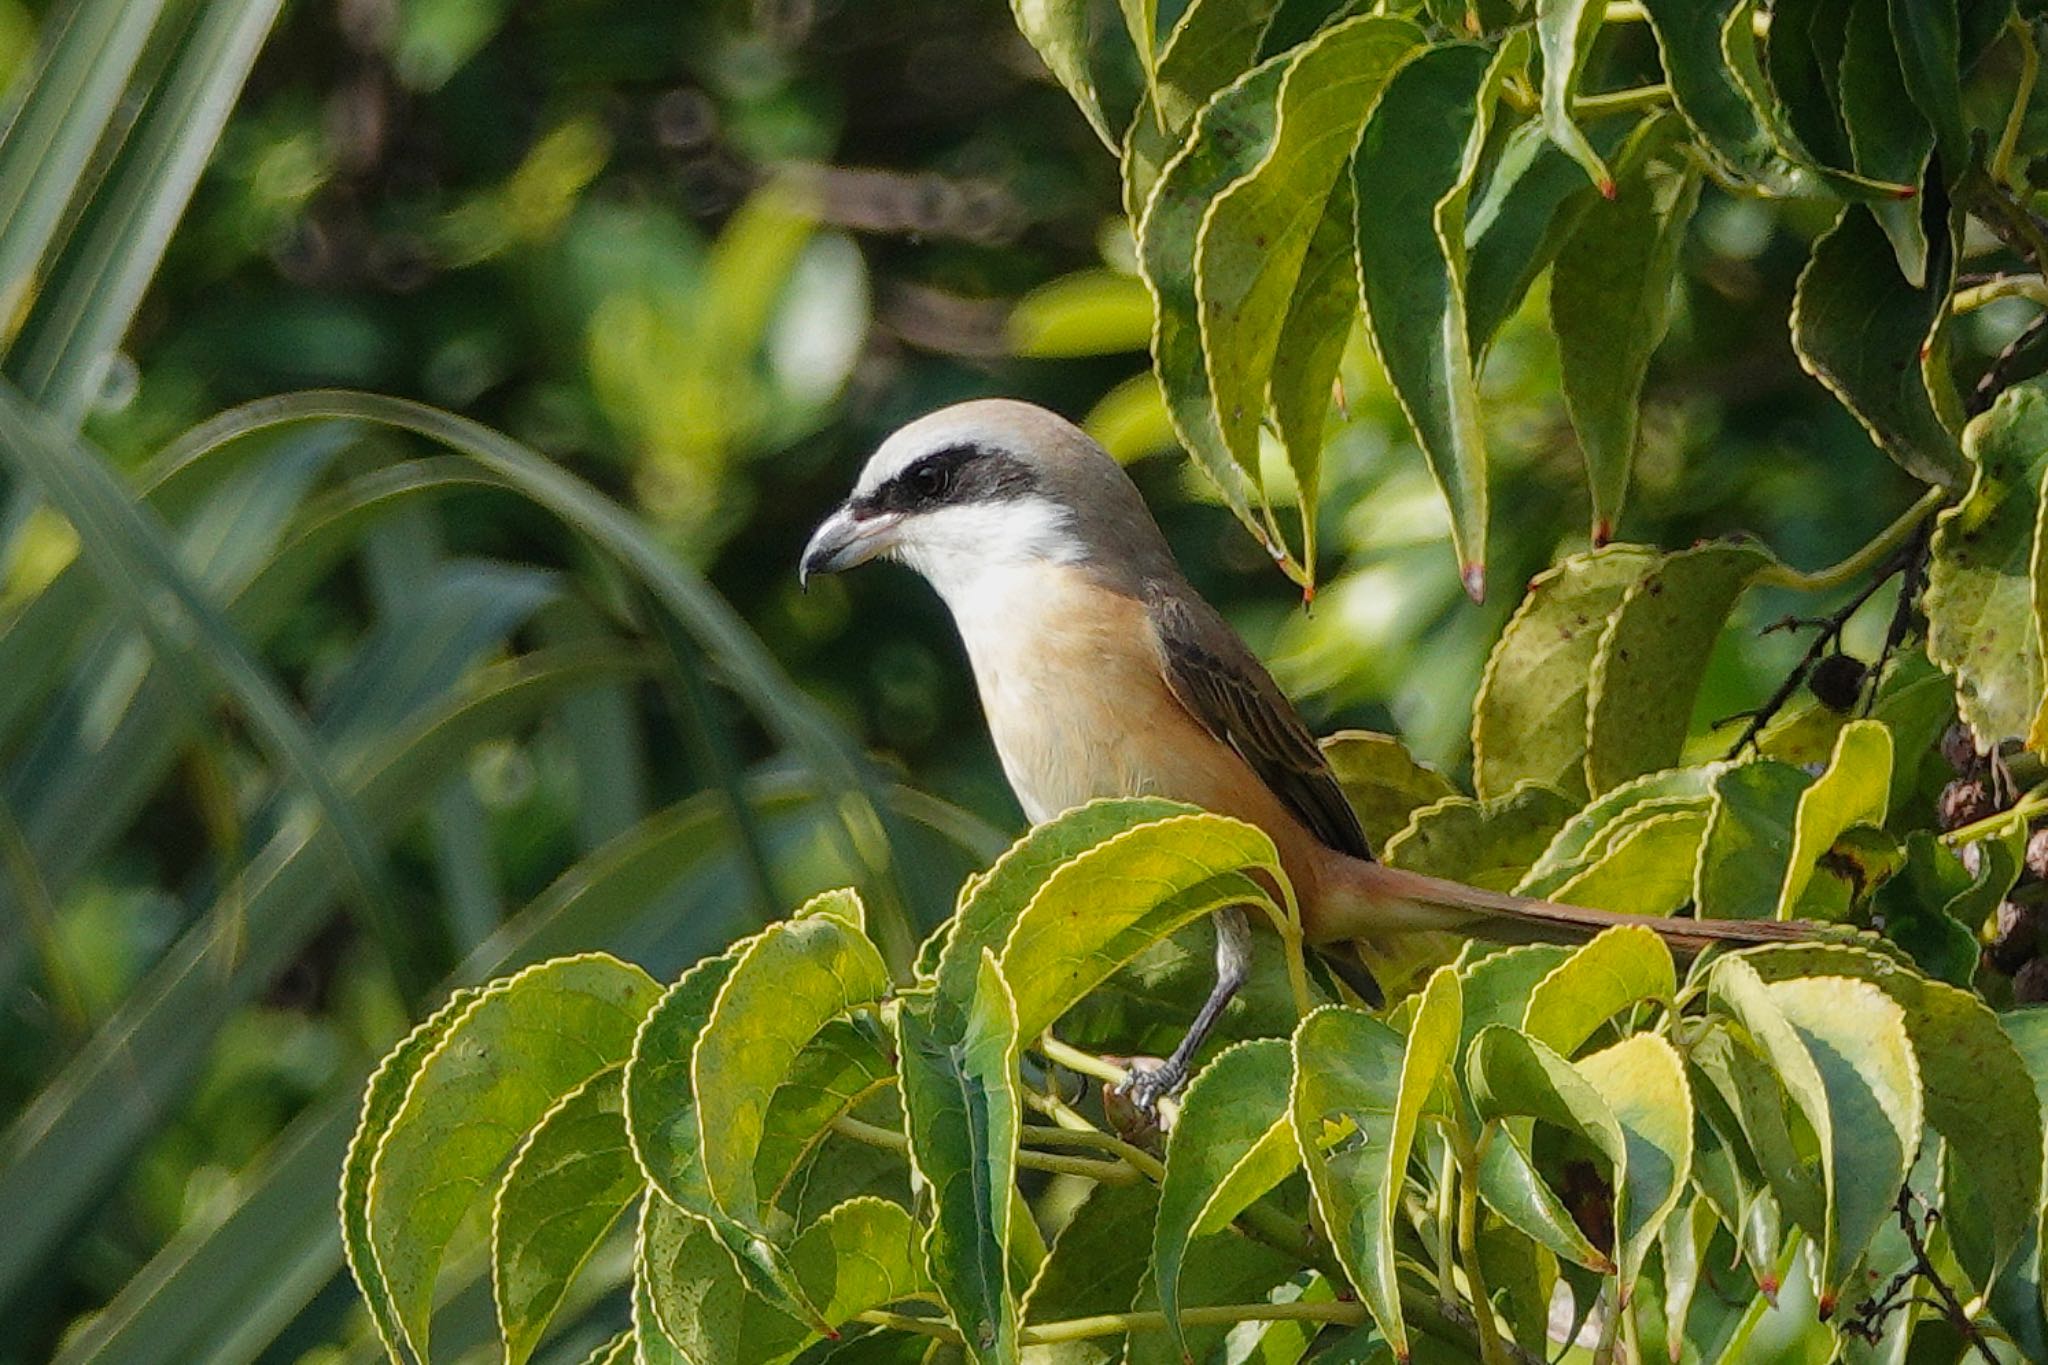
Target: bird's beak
[{"x": 844, "y": 540}]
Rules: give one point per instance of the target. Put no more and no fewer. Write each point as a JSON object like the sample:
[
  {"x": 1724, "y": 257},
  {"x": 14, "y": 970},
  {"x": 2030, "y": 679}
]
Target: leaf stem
[
  {"x": 1621, "y": 101},
  {"x": 1490, "y": 1341},
  {"x": 1103, "y": 1172},
  {"x": 2032, "y": 288},
  {"x": 1874, "y": 553},
  {"x": 1094, "y": 1138},
  {"x": 2027, "y": 807},
  {"x": 1086, "y": 1063},
  {"x": 2009, "y": 139}
]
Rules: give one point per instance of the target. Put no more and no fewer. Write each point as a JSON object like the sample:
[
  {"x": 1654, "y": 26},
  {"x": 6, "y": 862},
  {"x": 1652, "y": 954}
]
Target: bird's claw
[{"x": 1148, "y": 1083}]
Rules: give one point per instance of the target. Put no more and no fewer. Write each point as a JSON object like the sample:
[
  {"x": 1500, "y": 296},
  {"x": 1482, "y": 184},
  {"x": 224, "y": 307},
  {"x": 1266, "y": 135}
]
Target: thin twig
[{"x": 1950, "y": 1305}]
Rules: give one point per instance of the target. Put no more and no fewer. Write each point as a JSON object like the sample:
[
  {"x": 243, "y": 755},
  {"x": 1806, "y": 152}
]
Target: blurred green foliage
[{"x": 703, "y": 256}]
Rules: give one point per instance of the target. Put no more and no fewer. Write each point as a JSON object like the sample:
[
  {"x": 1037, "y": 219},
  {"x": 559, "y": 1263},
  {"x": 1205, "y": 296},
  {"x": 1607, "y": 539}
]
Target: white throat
[{"x": 980, "y": 556}]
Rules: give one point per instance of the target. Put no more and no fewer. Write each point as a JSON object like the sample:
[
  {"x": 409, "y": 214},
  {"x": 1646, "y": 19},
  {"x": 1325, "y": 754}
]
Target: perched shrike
[{"x": 1103, "y": 674}]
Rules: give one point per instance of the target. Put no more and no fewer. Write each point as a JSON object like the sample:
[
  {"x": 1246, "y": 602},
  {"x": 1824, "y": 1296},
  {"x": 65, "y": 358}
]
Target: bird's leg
[{"x": 1233, "y": 964}]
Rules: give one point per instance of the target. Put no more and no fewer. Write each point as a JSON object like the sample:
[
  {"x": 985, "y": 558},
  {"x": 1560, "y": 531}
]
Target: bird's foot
[{"x": 1142, "y": 1104}]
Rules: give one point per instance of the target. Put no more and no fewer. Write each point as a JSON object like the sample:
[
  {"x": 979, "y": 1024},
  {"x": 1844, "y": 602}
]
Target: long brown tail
[{"x": 1369, "y": 900}]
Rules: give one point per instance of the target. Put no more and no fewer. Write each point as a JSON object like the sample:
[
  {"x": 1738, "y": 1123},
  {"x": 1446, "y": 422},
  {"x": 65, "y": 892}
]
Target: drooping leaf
[
  {"x": 1861, "y": 330},
  {"x": 1212, "y": 44},
  {"x": 1853, "y": 790},
  {"x": 963, "y": 1116},
  {"x": 1621, "y": 967},
  {"x": 1099, "y": 910},
  {"x": 1929, "y": 42},
  {"x": 516, "y": 1050},
  {"x": 1747, "y": 848},
  {"x": 1230, "y": 138},
  {"x": 1533, "y": 198},
  {"x": 660, "y": 1096},
  {"x": 1512, "y": 1188},
  {"x": 1982, "y": 626},
  {"x": 1647, "y": 671},
  {"x": 1701, "y": 42},
  {"x": 1488, "y": 844},
  {"x": 1643, "y": 1082},
  {"x": 1566, "y": 30},
  {"x": 1318, "y": 326},
  {"x": 1529, "y": 722},
  {"x": 1234, "y": 1141},
  {"x": 1251, "y": 250},
  {"x": 1889, "y": 139},
  {"x": 572, "y": 1178},
  {"x": 1610, "y": 300},
  {"x": 1382, "y": 780},
  {"x": 1058, "y": 29},
  {"x": 1410, "y": 178},
  {"x": 1841, "y": 1048},
  {"x": 1346, "y": 1112},
  {"x": 785, "y": 984}
]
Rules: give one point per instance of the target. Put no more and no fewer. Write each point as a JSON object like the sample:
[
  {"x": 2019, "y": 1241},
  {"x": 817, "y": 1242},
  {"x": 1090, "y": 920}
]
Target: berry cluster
[{"x": 2019, "y": 946}]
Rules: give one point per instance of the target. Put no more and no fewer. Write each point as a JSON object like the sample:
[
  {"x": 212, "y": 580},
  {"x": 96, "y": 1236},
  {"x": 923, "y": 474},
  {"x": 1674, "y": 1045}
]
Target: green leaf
[
  {"x": 1841, "y": 1049},
  {"x": 962, "y": 1114},
  {"x": 381, "y": 1100},
  {"x": 1651, "y": 658},
  {"x": 1888, "y": 138},
  {"x": 1095, "y": 1266},
  {"x": 991, "y": 901},
  {"x": 1090, "y": 312},
  {"x": 660, "y": 1096},
  {"x": 1232, "y": 1143},
  {"x": 1646, "y": 870},
  {"x": 1058, "y": 30},
  {"x": 572, "y": 1178},
  {"x": 1509, "y": 1184},
  {"x": 1529, "y": 722},
  {"x": 843, "y": 1065},
  {"x": 1936, "y": 907},
  {"x": 1982, "y": 592},
  {"x": 1704, "y": 44},
  {"x": 788, "y": 982},
  {"x": 1318, "y": 327},
  {"x": 1610, "y": 301},
  {"x": 1643, "y": 1082},
  {"x": 1411, "y": 175},
  {"x": 1347, "y": 1065},
  {"x": 1853, "y": 790},
  {"x": 1345, "y": 1114},
  {"x": 1382, "y": 780},
  {"x": 1621, "y": 967},
  {"x": 1533, "y": 197},
  {"x": 1746, "y": 854},
  {"x": 1212, "y": 45},
  {"x": 1229, "y": 139},
  {"x": 1565, "y": 30},
  {"x": 862, "y": 1254},
  {"x": 1580, "y": 841},
  {"x": 1929, "y": 42},
  {"x": 1488, "y": 844},
  {"x": 1497, "y": 986},
  {"x": 1255, "y": 239},
  {"x": 517, "y": 1049},
  {"x": 1968, "y": 1093},
  {"x": 1861, "y": 330},
  {"x": 1106, "y": 905}
]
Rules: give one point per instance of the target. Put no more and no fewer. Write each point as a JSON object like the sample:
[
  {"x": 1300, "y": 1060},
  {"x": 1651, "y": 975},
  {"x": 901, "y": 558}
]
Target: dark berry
[
  {"x": 1837, "y": 681},
  {"x": 2030, "y": 985},
  {"x": 1965, "y": 801},
  {"x": 2019, "y": 936},
  {"x": 2037, "y": 854},
  {"x": 1959, "y": 749}
]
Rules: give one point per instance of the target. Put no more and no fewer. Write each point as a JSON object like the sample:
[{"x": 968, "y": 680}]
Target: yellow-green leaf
[
  {"x": 1853, "y": 790},
  {"x": 1643, "y": 1082},
  {"x": 1382, "y": 780},
  {"x": 1489, "y": 844},
  {"x": 1621, "y": 967},
  {"x": 1566, "y": 30}
]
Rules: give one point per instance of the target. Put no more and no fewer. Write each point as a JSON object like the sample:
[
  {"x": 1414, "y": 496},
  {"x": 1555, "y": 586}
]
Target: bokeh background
[{"x": 705, "y": 256}]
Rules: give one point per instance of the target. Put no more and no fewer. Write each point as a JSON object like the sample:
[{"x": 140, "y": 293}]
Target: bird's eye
[{"x": 929, "y": 481}]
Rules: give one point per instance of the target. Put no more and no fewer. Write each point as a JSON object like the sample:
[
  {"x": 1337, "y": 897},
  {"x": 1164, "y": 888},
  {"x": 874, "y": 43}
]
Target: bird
[{"x": 1103, "y": 673}]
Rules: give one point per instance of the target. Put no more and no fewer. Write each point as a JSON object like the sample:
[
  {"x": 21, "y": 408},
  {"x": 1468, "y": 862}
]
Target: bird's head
[{"x": 986, "y": 485}]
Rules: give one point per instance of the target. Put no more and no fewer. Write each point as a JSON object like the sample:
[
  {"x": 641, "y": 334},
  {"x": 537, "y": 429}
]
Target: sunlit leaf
[
  {"x": 1232, "y": 1143},
  {"x": 1646, "y": 870},
  {"x": 840, "y": 1066},
  {"x": 1852, "y": 790},
  {"x": 1511, "y": 1187},
  {"x": 519, "y": 1047},
  {"x": 572, "y": 1178},
  {"x": 1643, "y": 1082},
  {"x": 1622, "y": 967},
  {"x": 1982, "y": 622},
  {"x": 1534, "y": 196},
  {"x": 1211, "y": 45},
  {"x": 962, "y": 1115},
  {"x": 1382, "y": 780},
  {"x": 1488, "y": 844},
  {"x": 1647, "y": 672},
  {"x": 1747, "y": 849},
  {"x": 1529, "y": 722},
  {"x": 1575, "y": 845}
]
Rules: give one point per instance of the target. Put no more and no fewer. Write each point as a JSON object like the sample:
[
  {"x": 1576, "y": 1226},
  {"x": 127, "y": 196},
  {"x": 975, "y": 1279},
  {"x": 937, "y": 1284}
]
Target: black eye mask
[{"x": 956, "y": 476}]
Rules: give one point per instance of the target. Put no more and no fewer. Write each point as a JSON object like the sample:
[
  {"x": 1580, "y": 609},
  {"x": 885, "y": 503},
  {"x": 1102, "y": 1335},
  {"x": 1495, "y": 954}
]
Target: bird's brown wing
[{"x": 1211, "y": 672}]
